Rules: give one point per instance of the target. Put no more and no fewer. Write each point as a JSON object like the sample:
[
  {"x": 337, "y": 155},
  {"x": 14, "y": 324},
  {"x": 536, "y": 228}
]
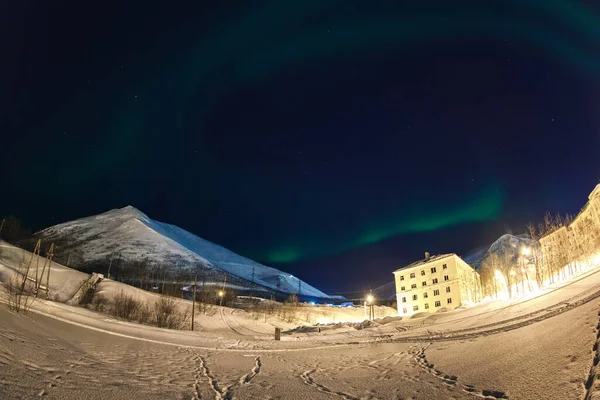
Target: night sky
[{"x": 335, "y": 140}]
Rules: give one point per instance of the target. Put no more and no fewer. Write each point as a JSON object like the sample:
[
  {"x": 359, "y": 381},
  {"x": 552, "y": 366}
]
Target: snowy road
[
  {"x": 45, "y": 357},
  {"x": 543, "y": 348}
]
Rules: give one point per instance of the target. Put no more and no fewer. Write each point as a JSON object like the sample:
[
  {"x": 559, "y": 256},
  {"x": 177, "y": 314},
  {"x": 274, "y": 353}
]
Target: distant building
[
  {"x": 581, "y": 232},
  {"x": 436, "y": 282}
]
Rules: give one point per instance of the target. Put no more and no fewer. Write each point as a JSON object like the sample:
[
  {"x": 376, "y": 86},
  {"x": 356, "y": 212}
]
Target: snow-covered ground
[{"x": 540, "y": 348}]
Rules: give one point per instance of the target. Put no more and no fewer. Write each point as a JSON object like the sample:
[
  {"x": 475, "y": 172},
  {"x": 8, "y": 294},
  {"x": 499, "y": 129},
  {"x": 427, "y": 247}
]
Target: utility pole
[
  {"x": 299, "y": 286},
  {"x": 50, "y": 255},
  {"x": 279, "y": 283},
  {"x": 194, "y": 300},
  {"x": 36, "y": 251},
  {"x": 109, "y": 265}
]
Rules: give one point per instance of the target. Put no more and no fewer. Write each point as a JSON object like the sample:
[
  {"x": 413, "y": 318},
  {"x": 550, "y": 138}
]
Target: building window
[
  {"x": 403, "y": 288},
  {"x": 404, "y": 311},
  {"x": 437, "y": 304},
  {"x": 427, "y": 306},
  {"x": 425, "y": 295},
  {"x": 415, "y": 297},
  {"x": 404, "y": 299},
  {"x": 415, "y": 308},
  {"x": 436, "y": 292},
  {"x": 444, "y": 266},
  {"x": 413, "y": 286},
  {"x": 412, "y": 275},
  {"x": 447, "y": 289},
  {"x": 433, "y": 270},
  {"x": 401, "y": 277},
  {"x": 424, "y": 283},
  {"x": 422, "y": 272},
  {"x": 435, "y": 281},
  {"x": 446, "y": 278},
  {"x": 449, "y": 301}
]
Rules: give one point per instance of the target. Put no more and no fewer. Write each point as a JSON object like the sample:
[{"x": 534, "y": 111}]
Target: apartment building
[{"x": 435, "y": 282}]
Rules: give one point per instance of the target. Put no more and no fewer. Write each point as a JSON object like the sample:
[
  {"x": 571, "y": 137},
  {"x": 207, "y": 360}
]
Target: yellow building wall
[{"x": 458, "y": 288}]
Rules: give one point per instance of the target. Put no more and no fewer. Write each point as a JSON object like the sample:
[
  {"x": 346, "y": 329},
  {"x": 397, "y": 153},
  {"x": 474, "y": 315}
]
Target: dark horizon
[{"x": 336, "y": 143}]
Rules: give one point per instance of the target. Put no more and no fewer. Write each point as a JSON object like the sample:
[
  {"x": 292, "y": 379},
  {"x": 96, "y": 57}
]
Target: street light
[
  {"x": 221, "y": 294},
  {"x": 525, "y": 251},
  {"x": 369, "y": 301}
]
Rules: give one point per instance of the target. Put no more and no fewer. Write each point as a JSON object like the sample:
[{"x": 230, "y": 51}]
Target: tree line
[{"x": 560, "y": 249}]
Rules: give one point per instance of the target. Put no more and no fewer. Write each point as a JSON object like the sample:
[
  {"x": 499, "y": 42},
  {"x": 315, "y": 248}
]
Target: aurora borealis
[{"x": 297, "y": 133}]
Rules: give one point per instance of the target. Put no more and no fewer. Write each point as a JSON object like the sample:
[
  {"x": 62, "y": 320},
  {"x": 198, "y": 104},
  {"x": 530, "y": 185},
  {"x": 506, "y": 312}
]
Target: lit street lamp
[
  {"x": 221, "y": 294},
  {"x": 370, "y": 300}
]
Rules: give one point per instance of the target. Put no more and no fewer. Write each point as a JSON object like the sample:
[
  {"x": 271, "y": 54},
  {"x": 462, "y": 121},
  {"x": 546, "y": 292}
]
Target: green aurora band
[
  {"x": 264, "y": 40},
  {"x": 487, "y": 206}
]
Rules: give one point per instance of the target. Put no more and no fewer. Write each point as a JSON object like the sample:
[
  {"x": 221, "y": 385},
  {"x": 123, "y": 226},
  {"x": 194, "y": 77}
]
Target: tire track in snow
[
  {"x": 476, "y": 332},
  {"x": 306, "y": 377},
  {"x": 591, "y": 383},
  {"x": 230, "y": 325},
  {"x": 450, "y": 380}
]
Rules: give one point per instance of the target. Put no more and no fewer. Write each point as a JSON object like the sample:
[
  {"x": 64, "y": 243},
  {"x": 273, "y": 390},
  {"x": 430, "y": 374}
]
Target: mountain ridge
[{"x": 133, "y": 235}]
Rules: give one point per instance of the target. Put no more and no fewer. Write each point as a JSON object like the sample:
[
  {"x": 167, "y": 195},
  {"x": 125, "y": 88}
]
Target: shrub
[
  {"x": 144, "y": 314},
  {"x": 19, "y": 294},
  {"x": 98, "y": 303},
  {"x": 166, "y": 314},
  {"x": 125, "y": 306}
]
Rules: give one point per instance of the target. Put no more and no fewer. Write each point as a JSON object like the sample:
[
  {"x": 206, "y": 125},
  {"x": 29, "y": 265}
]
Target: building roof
[{"x": 425, "y": 261}]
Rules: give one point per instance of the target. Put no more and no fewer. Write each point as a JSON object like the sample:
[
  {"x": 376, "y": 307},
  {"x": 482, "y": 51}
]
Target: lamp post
[
  {"x": 370, "y": 300},
  {"x": 221, "y": 294}
]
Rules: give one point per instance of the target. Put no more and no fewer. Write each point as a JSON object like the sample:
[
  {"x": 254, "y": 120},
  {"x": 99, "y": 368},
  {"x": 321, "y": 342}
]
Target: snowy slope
[
  {"x": 505, "y": 244},
  {"x": 135, "y": 236}
]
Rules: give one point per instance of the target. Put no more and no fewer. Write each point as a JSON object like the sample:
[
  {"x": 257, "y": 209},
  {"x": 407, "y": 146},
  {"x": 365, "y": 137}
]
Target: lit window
[
  {"x": 433, "y": 270},
  {"x": 427, "y": 306},
  {"x": 446, "y": 278},
  {"x": 447, "y": 289},
  {"x": 404, "y": 311},
  {"x": 413, "y": 286},
  {"x": 415, "y": 297},
  {"x": 437, "y": 304},
  {"x": 415, "y": 308},
  {"x": 424, "y": 283},
  {"x": 449, "y": 301},
  {"x": 423, "y": 272},
  {"x": 435, "y": 280},
  {"x": 412, "y": 275},
  {"x": 444, "y": 266},
  {"x": 436, "y": 292},
  {"x": 425, "y": 295},
  {"x": 404, "y": 299},
  {"x": 401, "y": 277}
]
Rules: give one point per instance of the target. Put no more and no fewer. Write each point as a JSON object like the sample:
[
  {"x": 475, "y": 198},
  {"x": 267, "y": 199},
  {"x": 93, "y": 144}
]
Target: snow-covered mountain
[
  {"x": 507, "y": 244},
  {"x": 135, "y": 237}
]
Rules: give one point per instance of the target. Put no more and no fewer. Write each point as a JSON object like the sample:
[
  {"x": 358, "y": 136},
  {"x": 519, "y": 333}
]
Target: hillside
[
  {"x": 505, "y": 244},
  {"x": 134, "y": 237}
]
